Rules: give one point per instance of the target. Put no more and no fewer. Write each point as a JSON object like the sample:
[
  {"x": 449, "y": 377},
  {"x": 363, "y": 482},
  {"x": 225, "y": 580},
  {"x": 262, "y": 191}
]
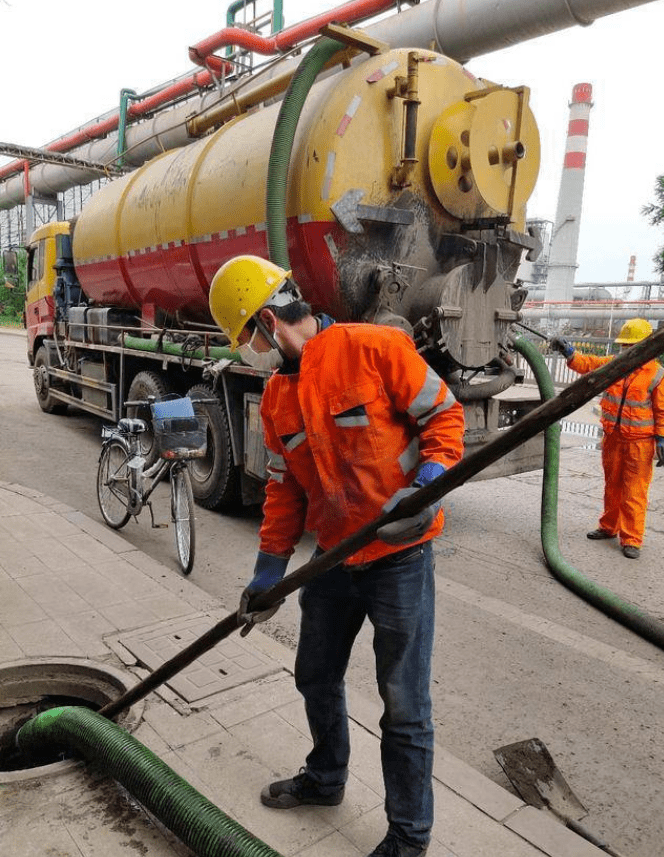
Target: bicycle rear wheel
[
  {"x": 182, "y": 513},
  {"x": 113, "y": 483}
]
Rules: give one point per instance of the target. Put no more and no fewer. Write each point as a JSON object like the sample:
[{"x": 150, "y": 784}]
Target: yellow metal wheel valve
[{"x": 484, "y": 154}]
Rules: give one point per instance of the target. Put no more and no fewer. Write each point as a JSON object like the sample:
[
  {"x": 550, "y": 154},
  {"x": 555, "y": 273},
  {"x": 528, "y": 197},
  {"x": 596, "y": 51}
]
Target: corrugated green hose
[
  {"x": 214, "y": 352},
  {"x": 201, "y": 825},
  {"x": 282, "y": 145},
  {"x": 608, "y": 602}
]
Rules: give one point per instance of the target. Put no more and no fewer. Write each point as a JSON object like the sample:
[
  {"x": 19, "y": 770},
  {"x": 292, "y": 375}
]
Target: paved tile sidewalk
[{"x": 71, "y": 588}]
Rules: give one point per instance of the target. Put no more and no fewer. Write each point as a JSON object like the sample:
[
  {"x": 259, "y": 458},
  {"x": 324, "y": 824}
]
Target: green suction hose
[
  {"x": 608, "y": 602},
  {"x": 201, "y": 825},
  {"x": 282, "y": 145}
]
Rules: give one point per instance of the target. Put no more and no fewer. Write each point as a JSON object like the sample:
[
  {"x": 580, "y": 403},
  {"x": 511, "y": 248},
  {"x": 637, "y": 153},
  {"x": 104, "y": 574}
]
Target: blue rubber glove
[
  {"x": 411, "y": 529},
  {"x": 269, "y": 569},
  {"x": 659, "y": 450},
  {"x": 564, "y": 346}
]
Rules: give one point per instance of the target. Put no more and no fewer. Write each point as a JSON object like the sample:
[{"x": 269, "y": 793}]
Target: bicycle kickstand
[{"x": 155, "y": 526}]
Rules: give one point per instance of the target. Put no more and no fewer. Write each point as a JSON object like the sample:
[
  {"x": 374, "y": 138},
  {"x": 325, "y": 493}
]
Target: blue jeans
[{"x": 397, "y": 594}]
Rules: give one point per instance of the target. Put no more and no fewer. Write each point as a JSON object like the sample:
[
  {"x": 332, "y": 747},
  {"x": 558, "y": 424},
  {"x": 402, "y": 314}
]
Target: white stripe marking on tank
[{"x": 329, "y": 172}]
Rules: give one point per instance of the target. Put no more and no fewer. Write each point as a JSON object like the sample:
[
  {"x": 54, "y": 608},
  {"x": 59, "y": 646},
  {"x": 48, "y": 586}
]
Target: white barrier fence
[
  {"x": 556, "y": 364},
  {"x": 592, "y": 432},
  {"x": 562, "y": 376}
]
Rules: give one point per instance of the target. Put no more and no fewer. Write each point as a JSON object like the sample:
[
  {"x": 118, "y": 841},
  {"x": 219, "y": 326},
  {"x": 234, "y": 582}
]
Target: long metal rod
[{"x": 572, "y": 398}]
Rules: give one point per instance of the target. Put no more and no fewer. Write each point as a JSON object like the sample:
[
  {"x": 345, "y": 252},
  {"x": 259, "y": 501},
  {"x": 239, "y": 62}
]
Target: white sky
[{"x": 63, "y": 63}]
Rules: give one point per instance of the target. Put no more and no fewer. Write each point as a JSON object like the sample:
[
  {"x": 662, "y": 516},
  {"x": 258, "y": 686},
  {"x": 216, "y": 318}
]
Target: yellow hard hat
[
  {"x": 241, "y": 287},
  {"x": 633, "y": 331}
]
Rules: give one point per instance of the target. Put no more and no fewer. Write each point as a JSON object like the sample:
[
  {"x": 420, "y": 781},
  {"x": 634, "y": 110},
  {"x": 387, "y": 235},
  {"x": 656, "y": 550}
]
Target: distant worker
[
  {"x": 633, "y": 424},
  {"x": 354, "y": 420}
]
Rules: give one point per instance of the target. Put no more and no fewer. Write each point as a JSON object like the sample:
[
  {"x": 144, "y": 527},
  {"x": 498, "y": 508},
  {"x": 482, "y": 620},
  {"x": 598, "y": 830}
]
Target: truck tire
[
  {"x": 43, "y": 385},
  {"x": 147, "y": 383},
  {"x": 215, "y": 478}
]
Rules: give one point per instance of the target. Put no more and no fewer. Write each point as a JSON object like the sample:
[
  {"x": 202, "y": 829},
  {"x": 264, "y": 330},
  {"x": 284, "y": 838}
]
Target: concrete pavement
[{"x": 75, "y": 592}]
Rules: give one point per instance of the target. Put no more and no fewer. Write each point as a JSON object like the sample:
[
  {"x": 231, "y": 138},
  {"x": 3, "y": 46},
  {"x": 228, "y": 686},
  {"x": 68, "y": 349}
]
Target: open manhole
[{"x": 31, "y": 686}]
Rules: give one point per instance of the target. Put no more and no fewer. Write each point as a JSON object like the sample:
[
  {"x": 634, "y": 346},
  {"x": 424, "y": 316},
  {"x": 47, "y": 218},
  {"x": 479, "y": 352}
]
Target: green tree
[
  {"x": 654, "y": 211},
  {"x": 12, "y": 291}
]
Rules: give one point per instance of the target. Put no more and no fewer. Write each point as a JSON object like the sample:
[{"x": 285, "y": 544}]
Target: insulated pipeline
[
  {"x": 196, "y": 821},
  {"x": 603, "y": 599}
]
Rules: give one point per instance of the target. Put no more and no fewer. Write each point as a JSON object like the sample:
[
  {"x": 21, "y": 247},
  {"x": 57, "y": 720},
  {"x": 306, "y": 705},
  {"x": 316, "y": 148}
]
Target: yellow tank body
[{"x": 368, "y": 233}]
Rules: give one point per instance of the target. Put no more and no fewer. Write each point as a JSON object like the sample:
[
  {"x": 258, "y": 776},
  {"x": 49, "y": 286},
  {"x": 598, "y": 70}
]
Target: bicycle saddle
[{"x": 128, "y": 425}]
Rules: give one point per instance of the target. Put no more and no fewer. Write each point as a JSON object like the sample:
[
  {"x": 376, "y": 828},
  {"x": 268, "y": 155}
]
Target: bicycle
[{"x": 124, "y": 486}]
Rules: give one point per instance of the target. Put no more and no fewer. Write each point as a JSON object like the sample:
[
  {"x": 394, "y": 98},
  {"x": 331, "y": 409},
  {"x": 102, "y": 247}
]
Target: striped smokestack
[
  {"x": 631, "y": 269},
  {"x": 565, "y": 239}
]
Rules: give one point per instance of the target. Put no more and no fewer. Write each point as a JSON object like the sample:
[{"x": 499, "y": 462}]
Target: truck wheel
[
  {"x": 145, "y": 384},
  {"x": 43, "y": 385},
  {"x": 215, "y": 478}
]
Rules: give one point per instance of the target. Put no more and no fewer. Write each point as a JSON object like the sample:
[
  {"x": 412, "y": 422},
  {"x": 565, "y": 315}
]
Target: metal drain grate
[{"x": 230, "y": 663}]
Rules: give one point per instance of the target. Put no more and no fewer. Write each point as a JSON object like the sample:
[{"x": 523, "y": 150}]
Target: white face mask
[{"x": 265, "y": 360}]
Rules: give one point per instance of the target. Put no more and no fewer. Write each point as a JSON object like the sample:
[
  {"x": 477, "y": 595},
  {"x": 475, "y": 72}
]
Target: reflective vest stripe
[
  {"x": 659, "y": 374},
  {"x": 629, "y": 403},
  {"x": 612, "y": 418}
]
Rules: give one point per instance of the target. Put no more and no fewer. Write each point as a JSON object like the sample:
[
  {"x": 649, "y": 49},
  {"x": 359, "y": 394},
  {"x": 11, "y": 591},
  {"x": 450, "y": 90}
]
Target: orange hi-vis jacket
[
  {"x": 347, "y": 431},
  {"x": 633, "y": 406}
]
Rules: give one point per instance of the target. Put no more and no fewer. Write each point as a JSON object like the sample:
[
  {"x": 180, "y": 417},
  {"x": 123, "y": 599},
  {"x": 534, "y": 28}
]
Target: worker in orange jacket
[
  {"x": 354, "y": 420},
  {"x": 633, "y": 424}
]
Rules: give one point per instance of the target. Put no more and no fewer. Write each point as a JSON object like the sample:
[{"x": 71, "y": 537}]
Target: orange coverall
[
  {"x": 347, "y": 431},
  {"x": 632, "y": 414}
]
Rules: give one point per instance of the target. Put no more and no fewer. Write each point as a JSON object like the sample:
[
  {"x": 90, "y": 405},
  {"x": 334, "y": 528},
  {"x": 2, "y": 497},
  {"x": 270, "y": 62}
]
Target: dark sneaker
[
  {"x": 600, "y": 534},
  {"x": 631, "y": 551},
  {"x": 301, "y": 790},
  {"x": 393, "y": 847}
]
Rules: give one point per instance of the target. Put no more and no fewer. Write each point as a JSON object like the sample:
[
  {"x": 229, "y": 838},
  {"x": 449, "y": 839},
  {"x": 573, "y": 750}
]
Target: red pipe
[
  {"x": 288, "y": 38},
  {"x": 201, "y": 55},
  {"x": 198, "y": 80}
]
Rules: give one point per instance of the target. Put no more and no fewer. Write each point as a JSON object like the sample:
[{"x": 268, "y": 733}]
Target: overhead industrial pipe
[
  {"x": 569, "y": 312},
  {"x": 460, "y": 29},
  {"x": 350, "y": 13},
  {"x": 146, "y": 104}
]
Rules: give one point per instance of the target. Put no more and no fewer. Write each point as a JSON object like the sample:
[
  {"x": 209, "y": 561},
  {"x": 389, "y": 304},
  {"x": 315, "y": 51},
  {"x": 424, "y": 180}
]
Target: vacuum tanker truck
[{"x": 404, "y": 193}]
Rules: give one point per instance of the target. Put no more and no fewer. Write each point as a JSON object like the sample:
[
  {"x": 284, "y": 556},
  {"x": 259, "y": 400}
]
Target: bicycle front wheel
[
  {"x": 113, "y": 483},
  {"x": 182, "y": 512}
]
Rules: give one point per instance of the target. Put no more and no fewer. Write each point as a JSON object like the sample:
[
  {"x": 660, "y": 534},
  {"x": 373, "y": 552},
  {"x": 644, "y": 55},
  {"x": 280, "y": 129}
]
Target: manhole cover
[
  {"x": 230, "y": 663},
  {"x": 29, "y": 687}
]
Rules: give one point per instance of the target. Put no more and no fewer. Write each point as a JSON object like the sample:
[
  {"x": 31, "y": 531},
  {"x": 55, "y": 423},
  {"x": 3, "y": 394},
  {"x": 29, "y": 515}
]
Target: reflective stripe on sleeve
[
  {"x": 276, "y": 465},
  {"x": 410, "y": 457},
  {"x": 425, "y": 400},
  {"x": 443, "y": 406},
  {"x": 275, "y": 461},
  {"x": 659, "y": 374}
]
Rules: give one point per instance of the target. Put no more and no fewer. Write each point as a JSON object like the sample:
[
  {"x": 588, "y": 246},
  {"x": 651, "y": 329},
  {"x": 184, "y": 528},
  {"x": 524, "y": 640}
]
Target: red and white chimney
[
  {"x": 565, "y": 237},
  {"x": 631, "y": 269}
]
